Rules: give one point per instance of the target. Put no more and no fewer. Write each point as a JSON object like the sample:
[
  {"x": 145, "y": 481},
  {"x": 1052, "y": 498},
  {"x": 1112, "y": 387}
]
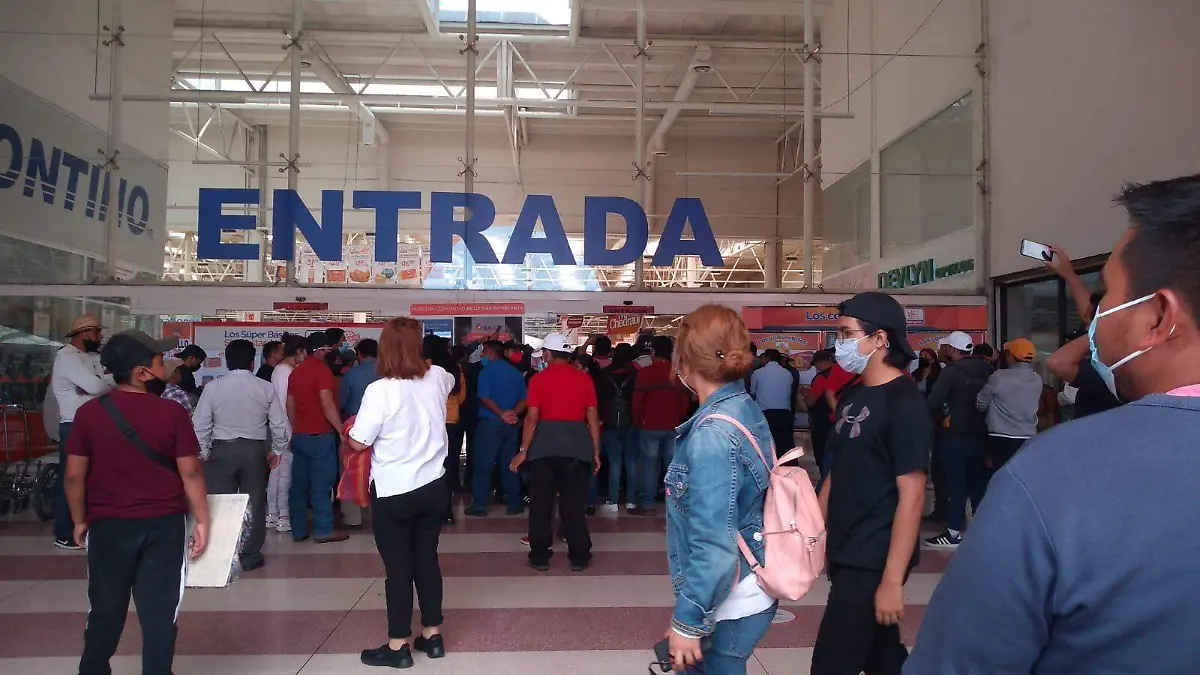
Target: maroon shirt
[
  {"x": 660, "y": 403},
  {"x": 122, "y": 484}
]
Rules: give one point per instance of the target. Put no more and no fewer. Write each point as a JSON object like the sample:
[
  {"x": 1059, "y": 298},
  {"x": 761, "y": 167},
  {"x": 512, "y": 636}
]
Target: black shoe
[
  {"x": 249, "y": 565},
  {"x": 353, "y": 528},
  {"x": 387, "y": 657},
  {"x": 433, "y": 647},
  {"x": 540, "y": 566},
  {"x": 476, "y": 513},
  {"x": 591, "y": 510},
  {"x": 515, "y": 512},
  {"x": 579, "y": 567},
  {"x": 67, "y": 545},
  {"x": 300, "y": 540}
]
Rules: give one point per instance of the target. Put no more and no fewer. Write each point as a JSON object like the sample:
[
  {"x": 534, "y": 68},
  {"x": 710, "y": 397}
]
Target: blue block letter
[
  {"x": 210, "y": 222},
  {"x": 671, "y": 243},
  {"x": 16, "y": 160},
  {"x": 40, "y": 171},
  {"x": 291, "y": 213},
  {"x": 522, "y": 241},
  {"x": 595, "y": 231},
  {"x": 387, "y": 205},
  {"x": 442, "y": 226}
]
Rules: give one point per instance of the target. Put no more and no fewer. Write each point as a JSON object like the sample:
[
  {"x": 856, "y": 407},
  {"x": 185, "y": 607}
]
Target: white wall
[
  {"x": 1085, "y": 95},
  {"x": 564, "y": 166},
  {"x": 905, "y": 90},
  {"x": 49, "y": 48}
]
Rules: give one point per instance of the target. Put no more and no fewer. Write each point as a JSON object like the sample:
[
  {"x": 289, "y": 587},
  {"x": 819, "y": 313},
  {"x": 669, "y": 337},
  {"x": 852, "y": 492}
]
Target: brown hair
[
  {"x": 400, "y": 355},
  {"x": 713, "y": 342}
]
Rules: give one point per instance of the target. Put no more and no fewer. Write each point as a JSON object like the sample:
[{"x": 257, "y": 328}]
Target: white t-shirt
[
  {"x": 405, "y": 421},
  {"x": 279, "y": 380}
]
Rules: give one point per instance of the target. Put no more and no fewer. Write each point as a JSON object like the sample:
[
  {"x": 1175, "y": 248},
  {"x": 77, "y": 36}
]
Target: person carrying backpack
[
  {"x": 618, "y": 437},
  {"x": 962, "y": 437},
  {"x": 728, "y": 567}
]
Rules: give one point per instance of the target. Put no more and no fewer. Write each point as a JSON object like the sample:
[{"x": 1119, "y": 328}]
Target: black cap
[
  {"x": 132, "y": 348},
  {"x": 315, "y": 341},
  {"x": 193, "y": 350},
  {"x": 884, "y": 311}
]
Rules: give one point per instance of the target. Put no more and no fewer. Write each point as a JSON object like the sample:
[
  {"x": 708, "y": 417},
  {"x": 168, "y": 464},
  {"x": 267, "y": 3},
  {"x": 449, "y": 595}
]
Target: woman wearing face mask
[
  {"x": 715, "y": 483},
  {"x": 872, "y": 499},
  {"x": 927, "y": 371}
]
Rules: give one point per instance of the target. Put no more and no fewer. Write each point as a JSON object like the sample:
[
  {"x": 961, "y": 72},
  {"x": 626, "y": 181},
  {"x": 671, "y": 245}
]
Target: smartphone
[
  {"x": 662, "y": 652},
  {"x": 1039, "y": 252}
]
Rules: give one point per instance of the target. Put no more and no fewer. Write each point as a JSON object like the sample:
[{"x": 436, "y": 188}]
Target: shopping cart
[{"x": 22, "y": 479}]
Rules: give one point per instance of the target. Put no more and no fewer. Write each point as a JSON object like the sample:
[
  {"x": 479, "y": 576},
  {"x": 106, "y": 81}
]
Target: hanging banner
[
  {"x": 468, "y": 309},
  {"x": 624, "y": 324},
  {"x": 213, "y": 338},
  {"x": 799, "y": 347}
]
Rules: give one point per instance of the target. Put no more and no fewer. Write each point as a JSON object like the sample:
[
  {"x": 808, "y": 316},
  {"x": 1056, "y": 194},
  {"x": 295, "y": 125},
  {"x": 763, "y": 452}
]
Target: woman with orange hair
[
  {"x": 716, "y": 485},
  {"x": 402, "y": 420}
]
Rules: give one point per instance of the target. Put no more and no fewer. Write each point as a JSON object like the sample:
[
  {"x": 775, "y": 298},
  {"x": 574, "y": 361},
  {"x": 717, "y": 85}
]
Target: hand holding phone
[{"x": 1037, "y": 251}]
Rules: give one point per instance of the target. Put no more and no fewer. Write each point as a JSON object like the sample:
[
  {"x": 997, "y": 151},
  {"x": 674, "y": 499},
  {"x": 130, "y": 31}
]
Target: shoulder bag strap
[{"x": 132, "y": 436}]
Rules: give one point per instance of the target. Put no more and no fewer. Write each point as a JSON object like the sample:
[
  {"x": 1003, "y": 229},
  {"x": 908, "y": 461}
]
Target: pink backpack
[{"x": 793, "y": 529}]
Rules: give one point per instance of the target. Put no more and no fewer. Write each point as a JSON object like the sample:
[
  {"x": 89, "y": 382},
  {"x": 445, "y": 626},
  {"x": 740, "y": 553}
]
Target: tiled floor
[{"x": 312, "y": 608}]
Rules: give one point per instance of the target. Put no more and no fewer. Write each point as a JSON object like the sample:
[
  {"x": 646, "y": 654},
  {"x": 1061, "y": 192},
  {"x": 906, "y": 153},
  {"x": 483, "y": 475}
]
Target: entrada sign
[
  {"x": 290, "y": 214},
  {"x": 923, "y": 272}
]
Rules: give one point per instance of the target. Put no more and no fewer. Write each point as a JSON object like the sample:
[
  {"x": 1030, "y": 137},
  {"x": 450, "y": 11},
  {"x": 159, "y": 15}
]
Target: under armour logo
[{"x": 855, "y": 430}]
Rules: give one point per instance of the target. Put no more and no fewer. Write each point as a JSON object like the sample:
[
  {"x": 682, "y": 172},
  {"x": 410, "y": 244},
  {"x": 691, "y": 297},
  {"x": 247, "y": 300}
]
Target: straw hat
[{"x": 84, "y": 323}]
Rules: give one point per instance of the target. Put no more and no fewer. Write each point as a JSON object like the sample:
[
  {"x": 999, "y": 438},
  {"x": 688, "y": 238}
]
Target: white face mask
[
  {"x": 846, "y": 353},
  {"x": 683, "y": 381}
]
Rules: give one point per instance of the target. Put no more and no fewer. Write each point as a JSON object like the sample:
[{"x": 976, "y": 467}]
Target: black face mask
[
  {"x": 91, "y": 346},
  {"x": 156, "y": 386}
]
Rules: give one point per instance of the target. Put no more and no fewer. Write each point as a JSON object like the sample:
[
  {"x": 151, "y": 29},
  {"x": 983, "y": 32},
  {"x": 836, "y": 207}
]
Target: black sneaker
[
  {"x": 433, "y": 647},
  {"x": 67, "y": 545},
  {"x": 944, "y": 540},
  {"x": 540, "y": 566},
  {"x": 386, "y": 657},
  {"x": 591, "y": 511},
  {"x": 579, "y": 567},
  {"x": 515, "y": 512},
  {"x": 476, "y": 513}
]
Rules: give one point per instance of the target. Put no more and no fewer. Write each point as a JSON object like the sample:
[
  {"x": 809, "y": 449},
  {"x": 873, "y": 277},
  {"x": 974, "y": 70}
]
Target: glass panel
[
  {"x": 1032, "y": 311},
  {"x": 522, "y": 12},
  {"x": 846, "y": 224},
  {"x": 927, "y": 186},
  {"x": 1074, "y": 321}
]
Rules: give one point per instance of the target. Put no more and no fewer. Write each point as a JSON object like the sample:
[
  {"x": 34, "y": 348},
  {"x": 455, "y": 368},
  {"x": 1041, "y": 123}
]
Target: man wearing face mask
[
  {"x": 1081, "y": 561},
  {"x": 76, "y": 378},
  {"x": 872, "y": 498},
  {"x": 193, "y": 358}
]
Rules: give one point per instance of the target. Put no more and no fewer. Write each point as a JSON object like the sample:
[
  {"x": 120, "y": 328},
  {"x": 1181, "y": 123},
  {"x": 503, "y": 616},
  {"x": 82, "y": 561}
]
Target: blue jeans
[
  {"x": 495, "y": 442},
  {"x": 621, "y": 452},
  {"x": 314, "y": 475},
  {"x": 657, "y": 450},
  {"x": 966, "y": 477},
  {"x": 64, "y": 528},
  {"x": 732, "y": 644}
]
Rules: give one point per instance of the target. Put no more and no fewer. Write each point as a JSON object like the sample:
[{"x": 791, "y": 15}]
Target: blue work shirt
[
  {"x": 1083, "y": 556},
  {"x": 503, "y": 384},
  {"x": 354, "y": 385},
  {"x": 771, "y": 387}
]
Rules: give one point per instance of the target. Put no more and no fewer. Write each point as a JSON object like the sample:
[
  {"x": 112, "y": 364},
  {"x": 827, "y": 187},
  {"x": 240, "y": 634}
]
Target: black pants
[
  {"x": 1000, "y": 449},
  {"x": 240, "y": 467},
  {"x": 781, "y": 423},
  {"x": 469, "y": 426},
  {"x": 454, "y": 434},
  {"x": 569, "y": 480},
  {"x": 820, "y": 436},
  {"x": 407, "y": 527},
  {"x": 145, "y": 558},
  {"x": 941, "y": 488},
  {"x": 849, "y": 641}
]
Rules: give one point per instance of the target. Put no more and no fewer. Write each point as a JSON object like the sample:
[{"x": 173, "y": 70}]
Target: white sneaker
[
  {"x": 271, "y": 522},
  {"x": 612, "y": 508},
  {"x": 283, "y": 525},
  {"x": 630, "y": 505}
]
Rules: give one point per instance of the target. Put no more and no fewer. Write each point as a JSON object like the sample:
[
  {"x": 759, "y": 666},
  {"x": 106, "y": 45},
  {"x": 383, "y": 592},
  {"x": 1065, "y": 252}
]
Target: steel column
[
  {"x": 644, "y": 190},
  {"x": 293, "y": 156},
  {"x": 112, "y": 219},
  {"x": 468, "y": 159},
  {"x": 254, "y": 268},
  {"x": 809, "y": 137}
]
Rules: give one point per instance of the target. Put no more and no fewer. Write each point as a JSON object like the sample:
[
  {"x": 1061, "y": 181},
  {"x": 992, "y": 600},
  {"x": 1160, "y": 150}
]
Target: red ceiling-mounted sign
[
  {"x": 628, "y": 309},
  {"x": 468, "y": 309},
  {"x": 301, "y": 306}
]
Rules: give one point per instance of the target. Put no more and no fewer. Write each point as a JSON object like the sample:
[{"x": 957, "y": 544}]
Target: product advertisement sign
[
  {"x": 921, "y": 341},
  {"x": 213, "y": 338},
  {"x": 799, "y": 347}
]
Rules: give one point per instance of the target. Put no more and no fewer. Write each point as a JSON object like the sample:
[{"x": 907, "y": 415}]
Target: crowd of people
[{"x": 1040, "y": 584}]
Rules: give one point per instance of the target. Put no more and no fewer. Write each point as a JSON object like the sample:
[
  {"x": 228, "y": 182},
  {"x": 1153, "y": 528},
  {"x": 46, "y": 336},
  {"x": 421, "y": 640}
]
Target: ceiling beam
[
  {"x": 729, "y": 7},
  {"x": 429, "y": 17}
]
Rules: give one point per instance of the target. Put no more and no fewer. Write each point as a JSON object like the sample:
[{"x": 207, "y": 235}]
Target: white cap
[
  {"x": 557, "y": 342},
  {"x": 959, "y": 340}
]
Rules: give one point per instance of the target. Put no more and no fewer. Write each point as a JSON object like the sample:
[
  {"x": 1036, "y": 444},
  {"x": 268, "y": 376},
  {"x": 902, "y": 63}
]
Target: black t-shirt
[
  {"x": 265, "y": 372},
  {"x": 1093, "y": 395},
  {"x": 880, "y": 433}
]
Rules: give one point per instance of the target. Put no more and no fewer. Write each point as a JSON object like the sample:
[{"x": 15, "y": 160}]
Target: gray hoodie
[{"x": 1010, "y": 399}]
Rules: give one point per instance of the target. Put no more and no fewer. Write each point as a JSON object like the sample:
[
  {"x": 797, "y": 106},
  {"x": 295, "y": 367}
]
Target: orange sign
[
  {"x": 797, "y": 346},
  {"x": 624, "y": 324},
  {"x": 921, "y": 341},
  {"x": 965, "y": 318}
]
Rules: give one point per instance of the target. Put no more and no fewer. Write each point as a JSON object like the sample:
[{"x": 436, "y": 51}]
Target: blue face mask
[
  {"x": 846, "y": 353},
  {"x": 1105, "y": 371}
]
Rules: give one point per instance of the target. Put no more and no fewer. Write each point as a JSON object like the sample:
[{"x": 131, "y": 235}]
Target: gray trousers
[{"x": 240, "y": 467}]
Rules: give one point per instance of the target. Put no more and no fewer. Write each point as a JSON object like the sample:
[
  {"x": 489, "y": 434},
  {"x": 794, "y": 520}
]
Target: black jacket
[{"x": 955, "y": 392}]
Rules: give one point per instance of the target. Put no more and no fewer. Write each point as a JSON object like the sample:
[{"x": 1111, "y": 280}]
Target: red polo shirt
[
  {"x": 305, "y": 385},
  {"x": 561, "y": 394}
]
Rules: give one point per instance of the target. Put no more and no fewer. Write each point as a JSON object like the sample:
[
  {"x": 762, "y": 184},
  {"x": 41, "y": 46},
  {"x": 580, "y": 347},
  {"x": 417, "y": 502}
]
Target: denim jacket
[{"x": 716, "y": 485}]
